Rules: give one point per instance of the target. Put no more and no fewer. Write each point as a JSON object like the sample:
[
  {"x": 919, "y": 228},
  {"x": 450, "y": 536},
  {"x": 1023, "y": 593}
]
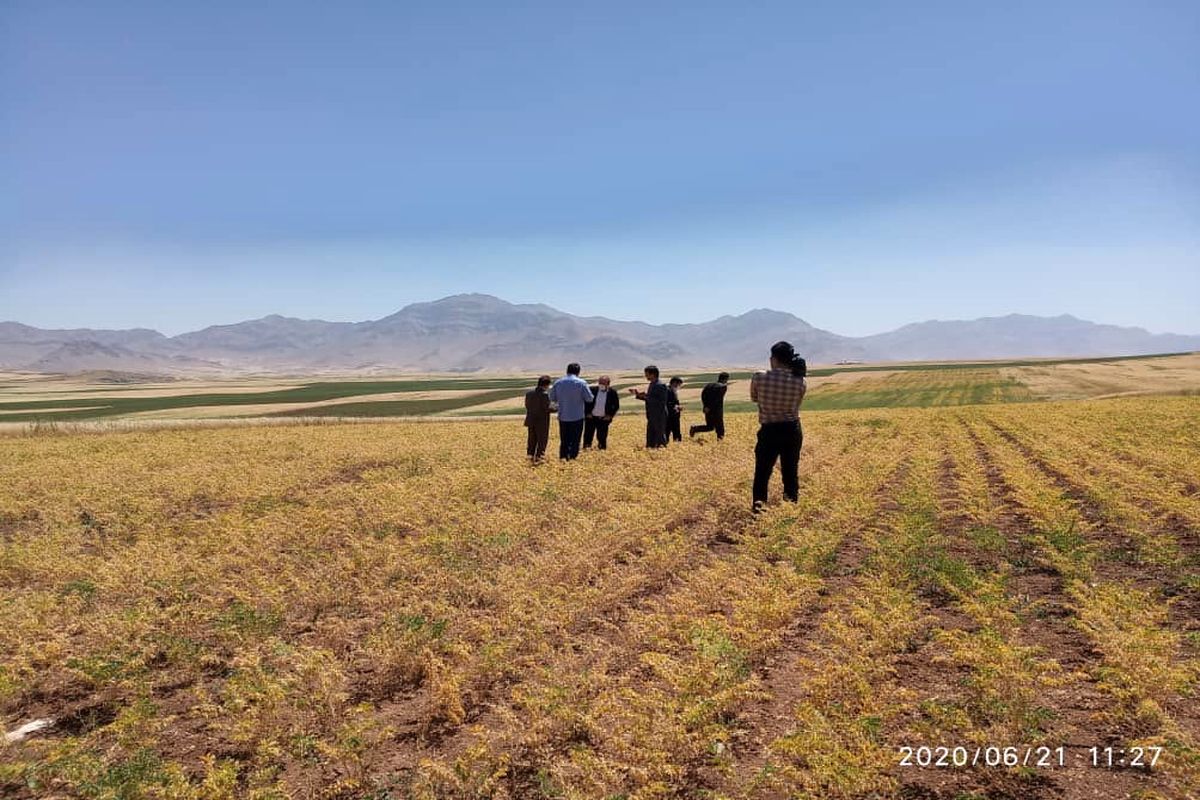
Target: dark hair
[
  {"x": 544, "y": 380},
  {"x": 723, "y": 377},
  {"x": 677, "y": 381},
  {"x": 653, "y": 370},
  {"x": 572, "y": 368},
  {"x": 785, "y": 353}
]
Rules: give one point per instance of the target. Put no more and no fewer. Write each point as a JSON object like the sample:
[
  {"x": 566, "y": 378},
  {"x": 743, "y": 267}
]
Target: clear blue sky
[{"x": 862, "y": 165}]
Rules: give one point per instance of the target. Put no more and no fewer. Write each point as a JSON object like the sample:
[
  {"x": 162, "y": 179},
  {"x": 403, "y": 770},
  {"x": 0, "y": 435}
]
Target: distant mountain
[
  {"x": 1018, "y": 335},
  {"x": 86, "y": 356},
  {"x": 269, "y": 338},
  {"x": 38, "y": 350},
  {"x": 475, "y": 332}
]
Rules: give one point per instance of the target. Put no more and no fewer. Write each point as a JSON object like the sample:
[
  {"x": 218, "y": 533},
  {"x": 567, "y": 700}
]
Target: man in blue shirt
[{"x": 571, "y": 394}]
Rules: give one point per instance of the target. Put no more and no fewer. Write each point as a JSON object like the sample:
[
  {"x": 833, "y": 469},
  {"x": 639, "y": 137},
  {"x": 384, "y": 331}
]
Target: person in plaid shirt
[{"x": 778, "y": 393}]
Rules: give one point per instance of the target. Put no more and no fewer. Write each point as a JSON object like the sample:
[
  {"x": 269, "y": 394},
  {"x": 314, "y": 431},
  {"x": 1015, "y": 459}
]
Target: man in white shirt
[{"x": 600, "y": 413}]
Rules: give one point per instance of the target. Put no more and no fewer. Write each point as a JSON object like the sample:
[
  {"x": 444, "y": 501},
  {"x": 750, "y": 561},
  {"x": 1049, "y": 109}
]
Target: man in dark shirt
[
  {"x": 537, "y": 419},
  {"x": 655, "y": 398},
  {"x": 674, "y": 409},
  {"x": 712, "y": 398},
  {"x": 600, "y": 412}
]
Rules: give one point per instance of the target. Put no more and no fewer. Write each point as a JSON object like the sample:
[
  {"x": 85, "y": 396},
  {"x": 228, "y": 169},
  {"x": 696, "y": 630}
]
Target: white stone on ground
[{"x": 26, "y": 729}]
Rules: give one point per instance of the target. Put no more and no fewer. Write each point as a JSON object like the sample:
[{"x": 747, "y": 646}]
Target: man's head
[
  {"x": 573, "y": 368},
  {"x": 651, "y": 373},
  {"x": 543, "y": 381},
  {"x": 604, "y": 381},
  {"x": 781, "y": 355},
  {"x": 723, "y": 377},
  {"x": 676, "y": 382}
]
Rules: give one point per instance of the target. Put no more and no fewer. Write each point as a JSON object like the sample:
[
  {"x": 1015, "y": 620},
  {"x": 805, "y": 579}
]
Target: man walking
[
  {"x": 674, "y": 409},
  {"x": 571, "y": 395},
  {"x": 600, "y": 413},
  {"x": 537, "y": 419},
  {"x": 655, "y": 398},
  {"x": 712, "y": 398}
]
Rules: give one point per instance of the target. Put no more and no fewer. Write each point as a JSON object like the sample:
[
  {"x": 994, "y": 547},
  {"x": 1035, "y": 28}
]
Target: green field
[
  {"x": 852, "y": 386},
  {"x": 402, "y": 408},
  {"x": 915, "y": 389},
  {"x": 104, "y": 406},
  {"x": 938, "y": 367}
]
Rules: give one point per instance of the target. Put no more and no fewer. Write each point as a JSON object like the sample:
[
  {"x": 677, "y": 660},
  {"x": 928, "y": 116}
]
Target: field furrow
[{"x": 1143, "y": 667}]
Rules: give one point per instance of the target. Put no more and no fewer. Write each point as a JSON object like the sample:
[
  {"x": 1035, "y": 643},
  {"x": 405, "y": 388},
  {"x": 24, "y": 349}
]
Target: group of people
[{"x": 585, "y": 413}]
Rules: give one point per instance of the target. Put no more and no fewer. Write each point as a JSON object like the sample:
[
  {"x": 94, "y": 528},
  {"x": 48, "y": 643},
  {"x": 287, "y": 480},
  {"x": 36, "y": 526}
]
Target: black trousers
[
  {"x": 673, "y": 426},
  {"x": 568, "y": 438},
  {"x": 712, "y": 422},
  {"x": 656, "y": 430},
  {"x": 597, "y": 428},
  {"x": 539, "y": 437},
  {"x": 778, "y": 441}
]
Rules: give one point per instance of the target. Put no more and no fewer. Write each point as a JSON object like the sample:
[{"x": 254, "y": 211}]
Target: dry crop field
[{"x": 408, "y": 610}]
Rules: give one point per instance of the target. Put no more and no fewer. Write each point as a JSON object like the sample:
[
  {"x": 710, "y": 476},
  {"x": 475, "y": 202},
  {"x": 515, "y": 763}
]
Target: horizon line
[{"x": 460, "y": 295}]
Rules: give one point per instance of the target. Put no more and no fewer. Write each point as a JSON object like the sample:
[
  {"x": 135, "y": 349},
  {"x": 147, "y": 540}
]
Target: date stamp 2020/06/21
[{"x": 1037, "y": 757}]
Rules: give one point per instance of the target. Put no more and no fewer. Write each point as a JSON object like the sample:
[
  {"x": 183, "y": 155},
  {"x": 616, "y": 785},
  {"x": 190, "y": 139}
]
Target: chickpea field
[{"x": 408, "y": 609}]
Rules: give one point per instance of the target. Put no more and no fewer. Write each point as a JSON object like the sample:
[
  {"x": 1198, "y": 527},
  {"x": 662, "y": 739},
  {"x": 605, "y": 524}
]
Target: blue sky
[{"x": 861, "y": 165}]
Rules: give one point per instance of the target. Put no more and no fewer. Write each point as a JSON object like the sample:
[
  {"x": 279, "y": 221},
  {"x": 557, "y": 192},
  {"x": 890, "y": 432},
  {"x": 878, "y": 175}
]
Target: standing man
[
  {"x": 571, "y": 395},
  {"x": 537, "y": 419},
  {"x": 778, "y": 393},
  {"x": 600, "y": 413},
  {"x": 674, "y": 409},
  {"x": 655, "y": 398},
  {"x": 712, "y": 398}
]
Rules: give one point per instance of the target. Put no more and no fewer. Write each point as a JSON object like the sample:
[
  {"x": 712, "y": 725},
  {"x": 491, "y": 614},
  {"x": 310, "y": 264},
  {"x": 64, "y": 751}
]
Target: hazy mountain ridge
[
  {"x": 475, "y": 332},
  {"x": 1020, "y": 335}
]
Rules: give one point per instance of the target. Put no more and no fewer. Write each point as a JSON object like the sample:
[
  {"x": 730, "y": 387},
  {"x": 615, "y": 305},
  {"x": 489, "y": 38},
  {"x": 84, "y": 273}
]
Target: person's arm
[
  {"x": 803, "y": 389},
  {"x": 754, "y": 388},
  {"x": 616, "y": 402},
  {"x": 553, "y": 394}
]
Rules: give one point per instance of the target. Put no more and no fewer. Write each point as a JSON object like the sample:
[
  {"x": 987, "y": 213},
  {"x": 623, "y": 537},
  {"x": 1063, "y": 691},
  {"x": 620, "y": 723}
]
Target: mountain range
[{"x": 475, "y": 332}]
